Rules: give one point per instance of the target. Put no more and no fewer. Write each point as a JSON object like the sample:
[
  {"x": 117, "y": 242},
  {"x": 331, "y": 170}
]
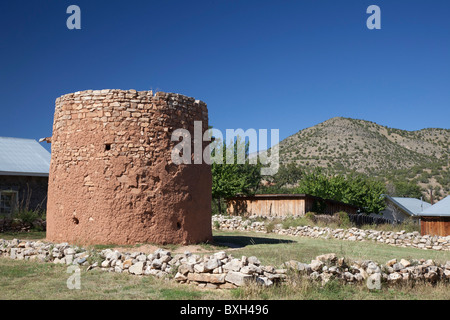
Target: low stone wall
[
  {"x": 401, "y": 238},
  {"x": 221, "y": 270},
  {"x": 218, "y": 270},
  {"x": 329, "y": 266}
]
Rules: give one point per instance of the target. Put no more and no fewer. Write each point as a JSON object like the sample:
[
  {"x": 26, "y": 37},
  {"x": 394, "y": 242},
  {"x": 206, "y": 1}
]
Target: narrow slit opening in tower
[{"x": 107, "y": 146}]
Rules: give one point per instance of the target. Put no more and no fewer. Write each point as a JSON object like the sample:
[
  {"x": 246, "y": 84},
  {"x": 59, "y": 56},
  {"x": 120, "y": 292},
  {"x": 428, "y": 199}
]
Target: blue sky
[{"x": 283, "y": 65}]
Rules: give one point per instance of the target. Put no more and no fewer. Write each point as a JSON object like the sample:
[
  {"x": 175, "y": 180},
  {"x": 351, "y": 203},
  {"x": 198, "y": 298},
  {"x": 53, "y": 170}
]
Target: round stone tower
[{"x": 112, "y": 180}]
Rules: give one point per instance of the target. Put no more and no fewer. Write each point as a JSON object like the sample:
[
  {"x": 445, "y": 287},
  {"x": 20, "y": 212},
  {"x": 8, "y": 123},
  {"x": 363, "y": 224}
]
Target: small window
[
  {"x": 8, "y": 202},
  {"x": 107, "y": 146}
]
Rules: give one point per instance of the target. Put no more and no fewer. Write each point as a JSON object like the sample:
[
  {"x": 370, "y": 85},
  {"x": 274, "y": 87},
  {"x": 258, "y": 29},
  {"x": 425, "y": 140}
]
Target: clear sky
[{"x": 283, "y": 65}]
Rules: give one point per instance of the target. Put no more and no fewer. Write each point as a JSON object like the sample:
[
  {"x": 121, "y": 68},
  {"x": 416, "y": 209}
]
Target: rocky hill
[{"x": 342, "y": 145}]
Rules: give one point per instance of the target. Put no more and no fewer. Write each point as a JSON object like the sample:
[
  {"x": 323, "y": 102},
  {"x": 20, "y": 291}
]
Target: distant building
[
  {"x": 398, "y": 209},
  {"x": 435, "y": 220},
  {"x": 24, "y": 168},
  {"x": 282, "y": 205}
]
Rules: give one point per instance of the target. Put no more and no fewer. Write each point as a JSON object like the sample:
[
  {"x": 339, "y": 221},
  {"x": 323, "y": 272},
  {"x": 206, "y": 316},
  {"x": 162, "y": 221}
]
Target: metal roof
[
  {"x": 23, "y": 157},
  {"x": 439, "y": 209},
  {"x": 412, "y": 206}
]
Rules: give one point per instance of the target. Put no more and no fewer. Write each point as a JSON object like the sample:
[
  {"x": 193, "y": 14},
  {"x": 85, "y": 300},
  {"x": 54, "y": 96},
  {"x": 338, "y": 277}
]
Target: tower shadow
[{"x": 244, "y": 241}]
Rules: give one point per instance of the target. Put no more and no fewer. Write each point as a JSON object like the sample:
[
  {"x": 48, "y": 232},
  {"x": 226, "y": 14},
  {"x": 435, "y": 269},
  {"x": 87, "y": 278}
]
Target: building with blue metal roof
[
  {"x": 435, "y": 220},
  {"x": 23, "y": 157},
  {"x": 439, "y": 209},
  {"x": 24, "y": 169},
  {"x": 400, "y": 208}
]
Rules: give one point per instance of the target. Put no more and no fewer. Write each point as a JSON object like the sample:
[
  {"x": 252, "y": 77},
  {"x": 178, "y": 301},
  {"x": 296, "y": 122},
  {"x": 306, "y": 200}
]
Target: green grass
[
  {"x": 275, "y": 249},
  {"x": 297, "y": 289},
  {"x": 20, "y": 280},
  {"x": 28, "y": 280},
  {"x": 32, "y": 235}
]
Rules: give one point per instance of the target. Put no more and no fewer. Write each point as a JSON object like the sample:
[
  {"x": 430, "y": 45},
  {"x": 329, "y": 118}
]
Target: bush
[
  {"x": 327, "y": 220},
  {"x": 310, "y": 216},
  {"x": 344, "y": 220},
  {"x": 410, "y": 225},
  {"x": 294, "y": 222},
  {"x": 270, "y": 226},
  {"x": 27, "y": 219},
  {"x": 26, "y": 216}
]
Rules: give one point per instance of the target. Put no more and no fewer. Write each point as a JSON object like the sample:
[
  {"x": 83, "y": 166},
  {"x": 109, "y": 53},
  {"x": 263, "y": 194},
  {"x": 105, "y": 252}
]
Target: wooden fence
[{"x": 361, "y": 219}]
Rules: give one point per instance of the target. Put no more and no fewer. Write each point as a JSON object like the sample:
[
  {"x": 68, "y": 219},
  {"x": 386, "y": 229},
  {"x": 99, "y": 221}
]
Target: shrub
[
  {"x": 344, "y": 220},
  {"x": 26, "y": 218},
  {"x": 294, "y": 222},
  {"x": 327, "y": 220},
  {"x": 270, "y": 226},
  {"x": 410, "y": 225},
  {"x": 310, "y": 216}
]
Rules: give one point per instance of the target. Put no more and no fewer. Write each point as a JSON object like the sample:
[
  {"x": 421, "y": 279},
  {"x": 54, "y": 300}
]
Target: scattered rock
[
  {"x": 390, "y": 263},
  {"x": 220, "y": 270},
  {"x": 233, "y": 265},
  {"x": 402, "y": 238},
  {"x": 137, "y": 268},
  {"x": 405, "y": 263},
  {"x": 237, "y": 278},
  {"x": 316, "y": 265}
]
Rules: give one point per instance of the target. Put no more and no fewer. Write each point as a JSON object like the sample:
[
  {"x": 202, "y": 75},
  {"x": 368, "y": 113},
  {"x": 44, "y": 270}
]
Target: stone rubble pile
[
  {"x": 44, "y": 252},
  {"x": 215, "y": 271},
  {"x": 221, "y": 270},
  {"x": 218, "y": 270},
  {"x": 238, "y": 223},
  {"x": 329, "y": 266},
  {"x": 401, "y": 238}
]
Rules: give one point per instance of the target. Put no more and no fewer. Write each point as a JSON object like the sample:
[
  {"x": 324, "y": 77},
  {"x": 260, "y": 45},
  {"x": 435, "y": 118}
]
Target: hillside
[{"x": 343, "y": 145}]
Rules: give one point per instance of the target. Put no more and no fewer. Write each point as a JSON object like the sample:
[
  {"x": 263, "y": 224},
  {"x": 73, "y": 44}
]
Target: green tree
[
  {"x": 287, "y": 175},
  {"x": 231, "y": 179},
  {"x": 366, "y": 193},
  {"x": 355, "y": 189},
  {"x": 406, "y": 189}
]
